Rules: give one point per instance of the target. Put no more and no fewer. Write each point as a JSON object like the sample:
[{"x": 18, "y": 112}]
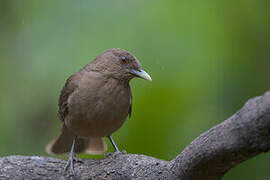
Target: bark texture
[{"x": 210, "y": 156}]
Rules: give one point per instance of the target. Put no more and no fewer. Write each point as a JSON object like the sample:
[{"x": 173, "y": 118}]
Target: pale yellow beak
[{"x": 141, "y": 74}]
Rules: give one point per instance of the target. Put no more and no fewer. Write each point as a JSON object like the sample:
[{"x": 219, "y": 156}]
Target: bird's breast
[{"x": 98, "y": 107}]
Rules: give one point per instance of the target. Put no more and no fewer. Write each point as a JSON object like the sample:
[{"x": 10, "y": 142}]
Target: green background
[{"x": 206, "y": 59}]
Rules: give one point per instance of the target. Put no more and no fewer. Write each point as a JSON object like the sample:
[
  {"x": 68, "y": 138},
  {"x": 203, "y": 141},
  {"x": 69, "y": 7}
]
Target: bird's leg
[
  {"x": 114, "y": 145},
  {"x": 71, "y": 156}
]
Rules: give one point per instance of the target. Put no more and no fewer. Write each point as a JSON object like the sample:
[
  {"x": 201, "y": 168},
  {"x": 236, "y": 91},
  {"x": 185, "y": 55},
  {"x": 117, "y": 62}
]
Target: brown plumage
[{"x": 95, "y": 102}]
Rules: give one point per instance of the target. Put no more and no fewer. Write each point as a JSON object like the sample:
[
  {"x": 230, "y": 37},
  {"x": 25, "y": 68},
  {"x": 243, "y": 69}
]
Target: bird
[{"x": 95, "y": 102}]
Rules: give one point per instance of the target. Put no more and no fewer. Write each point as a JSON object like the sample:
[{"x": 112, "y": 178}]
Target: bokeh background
[{"x": 206, "y": 59}]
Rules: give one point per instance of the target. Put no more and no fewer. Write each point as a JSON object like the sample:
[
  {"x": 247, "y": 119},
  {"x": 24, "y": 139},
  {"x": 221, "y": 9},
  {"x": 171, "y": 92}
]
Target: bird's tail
[{"x": 63, "y": 142}]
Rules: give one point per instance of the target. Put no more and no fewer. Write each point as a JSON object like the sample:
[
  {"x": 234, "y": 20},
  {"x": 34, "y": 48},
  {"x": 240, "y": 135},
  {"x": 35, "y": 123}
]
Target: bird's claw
[
  {"x": 78, "y": 160},
  {"x": 70, "y": 166},
  {"x": 116, "y": 153},
  {"x": 123, "y": 152}
]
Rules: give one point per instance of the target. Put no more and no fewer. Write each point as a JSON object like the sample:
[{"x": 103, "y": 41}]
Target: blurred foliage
[{"x": 206, "y": 58}]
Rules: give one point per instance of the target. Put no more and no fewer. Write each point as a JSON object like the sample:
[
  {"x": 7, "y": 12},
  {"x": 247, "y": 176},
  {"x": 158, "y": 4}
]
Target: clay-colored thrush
[{"x": 95, "y": 102}]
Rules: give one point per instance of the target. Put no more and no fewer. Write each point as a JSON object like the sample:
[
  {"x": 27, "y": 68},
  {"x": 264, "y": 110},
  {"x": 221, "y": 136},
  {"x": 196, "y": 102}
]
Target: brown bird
[{"x": 95, "y": 102}]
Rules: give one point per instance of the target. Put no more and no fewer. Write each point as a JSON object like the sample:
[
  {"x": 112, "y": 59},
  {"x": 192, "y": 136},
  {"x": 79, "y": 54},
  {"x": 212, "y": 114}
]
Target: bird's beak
[{"x": 141, "y": 74}]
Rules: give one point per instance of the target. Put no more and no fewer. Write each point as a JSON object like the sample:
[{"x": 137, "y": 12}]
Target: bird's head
[{"x": 120, "y": 64}]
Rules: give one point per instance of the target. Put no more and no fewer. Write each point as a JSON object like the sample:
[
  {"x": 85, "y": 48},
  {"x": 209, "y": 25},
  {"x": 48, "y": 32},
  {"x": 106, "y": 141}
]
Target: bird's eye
[{"x": 123, "y": 59}]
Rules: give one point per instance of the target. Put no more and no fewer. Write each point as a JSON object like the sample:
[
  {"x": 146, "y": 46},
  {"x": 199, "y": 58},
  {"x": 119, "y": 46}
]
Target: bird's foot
[
  {"x": 78, "y": 160},
  {"x": 71, "y": 158},
  {"x": 70, "y": 166},
  {"x": 123, "y": 152},
  {"x": 115, "y": 153}
]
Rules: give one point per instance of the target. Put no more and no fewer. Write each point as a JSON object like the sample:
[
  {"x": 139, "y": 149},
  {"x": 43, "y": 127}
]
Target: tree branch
[
  {"x": 210, "y": 156},
  {"x": 241, "y": 137}
]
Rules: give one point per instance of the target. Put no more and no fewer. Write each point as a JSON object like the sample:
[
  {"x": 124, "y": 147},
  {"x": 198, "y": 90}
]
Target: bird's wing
[
  {"x": 70, "y": 86},
  {"x": 130, "y": 105}
]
